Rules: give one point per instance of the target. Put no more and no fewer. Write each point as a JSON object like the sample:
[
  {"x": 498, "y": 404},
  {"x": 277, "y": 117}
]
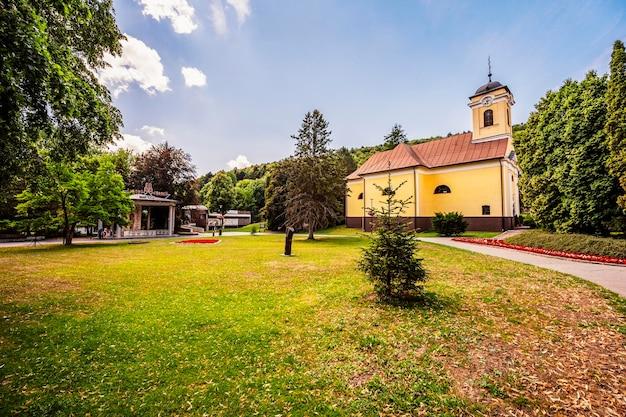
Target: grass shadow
[
  {"x": 54, "y": 248},
  {"x": 427, "y": 301}
]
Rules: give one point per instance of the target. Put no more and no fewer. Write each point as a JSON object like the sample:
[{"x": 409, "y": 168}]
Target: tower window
[
  {"x": 508, "y": 117},
  {"x": 488, "y": 118},
  {"x": 360, "y": 196},
  {"x": 442, "y": 189},
  {"x": 486, "y": 210}
]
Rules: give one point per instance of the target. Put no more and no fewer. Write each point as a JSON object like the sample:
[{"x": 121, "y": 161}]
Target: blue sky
[{"x": 255, "y": 67}]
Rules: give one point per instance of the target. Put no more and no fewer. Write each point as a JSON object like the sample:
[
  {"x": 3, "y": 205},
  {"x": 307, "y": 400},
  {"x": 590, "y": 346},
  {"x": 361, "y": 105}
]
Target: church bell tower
[{"x": 491, "y": 111}]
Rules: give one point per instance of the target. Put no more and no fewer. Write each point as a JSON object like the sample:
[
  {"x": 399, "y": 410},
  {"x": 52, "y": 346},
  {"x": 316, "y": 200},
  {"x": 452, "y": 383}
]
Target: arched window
[
  {"x": 488, "y": 118},
  {"x": 361, "y": 196},
  {"x": 442, "y": 189}
]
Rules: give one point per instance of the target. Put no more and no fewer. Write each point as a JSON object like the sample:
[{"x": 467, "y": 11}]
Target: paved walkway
[{"x": 612, "y": 277}]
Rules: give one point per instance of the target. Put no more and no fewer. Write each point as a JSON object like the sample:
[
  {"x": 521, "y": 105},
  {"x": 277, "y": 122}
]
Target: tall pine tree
[
  {"x": 616, "y": 118},
  {"x": 395, "y": 137},
  {"x": 316, "y": 184}
]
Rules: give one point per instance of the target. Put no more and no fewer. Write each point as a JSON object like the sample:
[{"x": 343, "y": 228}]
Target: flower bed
[
  {"x": 542, "y": 251},
  {"x": 206, "y": 241}
]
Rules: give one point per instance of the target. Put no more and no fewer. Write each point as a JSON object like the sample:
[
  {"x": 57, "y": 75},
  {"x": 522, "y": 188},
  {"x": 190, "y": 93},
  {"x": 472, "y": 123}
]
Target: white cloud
[
  {"x": 193, "y": 77},
  {"x": 218, "y": 17},
  {"x": 131, "y": 142},
  {"x": 240, "y": 162},
  {"x": 179, "y": 12},
  {"x": 153, "y": 130},
  {"x": 139, "y": 64},
  {"x": 242, "y": 9}
]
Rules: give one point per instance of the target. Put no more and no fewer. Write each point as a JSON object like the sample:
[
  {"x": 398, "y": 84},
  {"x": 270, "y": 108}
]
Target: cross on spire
[{"x": 489, "y": 63}]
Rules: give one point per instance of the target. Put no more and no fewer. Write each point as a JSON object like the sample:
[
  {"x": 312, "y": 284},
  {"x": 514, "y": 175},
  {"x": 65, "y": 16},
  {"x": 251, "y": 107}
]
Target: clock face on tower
[{"x": 486, "y": 101}]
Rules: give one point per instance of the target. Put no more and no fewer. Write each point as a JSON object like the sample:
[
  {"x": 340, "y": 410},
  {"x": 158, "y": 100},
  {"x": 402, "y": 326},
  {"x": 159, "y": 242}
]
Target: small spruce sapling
[{"x": 389, "y": 261}]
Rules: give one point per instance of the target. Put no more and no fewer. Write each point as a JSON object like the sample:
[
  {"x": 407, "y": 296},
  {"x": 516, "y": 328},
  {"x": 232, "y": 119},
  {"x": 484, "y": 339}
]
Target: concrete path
[{"x": 612, "y": 277}]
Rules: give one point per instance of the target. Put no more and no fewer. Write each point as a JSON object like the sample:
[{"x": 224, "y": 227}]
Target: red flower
[{"x": 542, "y": 251}]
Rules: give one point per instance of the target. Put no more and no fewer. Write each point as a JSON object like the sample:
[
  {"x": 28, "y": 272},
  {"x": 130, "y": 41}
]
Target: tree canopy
[
  {"x": 562, "y": 152},
  {"x": 69, "y": 194},
  {"x": 51, "y": 98},
  {"x": 616, "y": 118},
  {"x": 168, "y": 169},
  {"x": 219, "y": 193}
]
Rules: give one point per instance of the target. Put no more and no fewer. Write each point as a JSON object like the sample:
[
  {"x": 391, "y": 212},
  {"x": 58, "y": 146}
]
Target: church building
[{"x": 472, "y": 173}]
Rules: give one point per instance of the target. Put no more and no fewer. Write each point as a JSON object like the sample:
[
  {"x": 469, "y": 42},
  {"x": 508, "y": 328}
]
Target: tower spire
[{"x": 489, "y": 64}]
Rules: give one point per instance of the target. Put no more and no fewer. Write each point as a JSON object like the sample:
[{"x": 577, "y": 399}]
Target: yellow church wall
[
  {"x": 470, "y": 190},
  {"x": 354, "y": 206},
  {"x": 375, "y": 199}
]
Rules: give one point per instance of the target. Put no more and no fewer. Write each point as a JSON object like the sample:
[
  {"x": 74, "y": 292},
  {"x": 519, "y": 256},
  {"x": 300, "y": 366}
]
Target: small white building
[{"x": 232, "y": 218}]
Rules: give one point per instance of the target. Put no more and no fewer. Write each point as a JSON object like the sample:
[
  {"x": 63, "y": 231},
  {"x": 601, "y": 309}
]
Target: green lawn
[
  {"x": 592, "y": 245},
  {"x": 237, "y": 329}
]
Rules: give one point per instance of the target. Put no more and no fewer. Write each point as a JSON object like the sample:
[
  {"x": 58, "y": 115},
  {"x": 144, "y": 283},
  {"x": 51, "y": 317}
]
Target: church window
[
  {"x": 442, "y": 189},
  {"x": 360, "y": 196},
  {"x": 508, "y": 117},
  {"x": 488, "y": 118},
  {"x": 486, "y": 210}
]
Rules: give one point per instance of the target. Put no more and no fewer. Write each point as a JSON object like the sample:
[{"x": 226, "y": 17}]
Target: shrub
[
  {"x": 254, "y": 229},
  {"x": 389, "y": 261},
  {"x": 527, "y": 219},
  {"x": 449, "y": 224}
]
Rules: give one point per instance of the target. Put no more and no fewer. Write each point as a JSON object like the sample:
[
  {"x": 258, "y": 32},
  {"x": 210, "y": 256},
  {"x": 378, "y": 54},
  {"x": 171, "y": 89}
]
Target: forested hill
[{"x": 358, "y": 155}]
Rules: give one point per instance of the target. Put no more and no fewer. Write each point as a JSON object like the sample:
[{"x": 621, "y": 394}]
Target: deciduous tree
[
  {"x": 219, "y": 193},
  {"x": 250, "y": 196},
  {"x": 616, "y": 118},
  {"x": 562, "y": 152},
  {"x": 276, "y": 196},
  {"x": 51, "y": 98},
  {"x": 168, "y": 169},
  {"x": 69, "y": 195}
]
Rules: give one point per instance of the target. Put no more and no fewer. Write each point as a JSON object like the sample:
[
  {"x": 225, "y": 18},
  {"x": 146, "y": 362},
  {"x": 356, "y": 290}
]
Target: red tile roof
[{"x": 453, "y": 150}]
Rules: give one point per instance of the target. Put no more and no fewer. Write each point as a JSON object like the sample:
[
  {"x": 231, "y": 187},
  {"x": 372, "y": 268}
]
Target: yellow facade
[
  {"x": 472, "y": 186},
  {"x": 484, "y": 190},
  {"x": 499, "y": 102}
]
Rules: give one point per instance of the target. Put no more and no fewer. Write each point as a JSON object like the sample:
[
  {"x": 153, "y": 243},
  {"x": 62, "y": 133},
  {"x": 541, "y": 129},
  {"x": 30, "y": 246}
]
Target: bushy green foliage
[
  {"x": 449, "y": 224},
  {"x": 254, "y": 229},
  {"x": 276, "y": 196},
  {"x": 527, "y": 219},
  {"x": 571, "y": 242},
  {"x": 51, "y": 98},
  {"x": 219, "y": 194},
  {"x": 389, "y": 261},
  {"x": 67, "y": 195},
  {"x": 562, "y": 152},
  {"x": 616, "y": 119},
  {"x": 250, "y": 196}
]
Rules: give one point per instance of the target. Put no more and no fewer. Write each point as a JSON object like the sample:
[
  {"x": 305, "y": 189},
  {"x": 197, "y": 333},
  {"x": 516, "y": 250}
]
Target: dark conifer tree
[
  {"x": 316, "y": 183},
  {"x": 389, "y": 261},
  {"x": 395, "y": 137}
]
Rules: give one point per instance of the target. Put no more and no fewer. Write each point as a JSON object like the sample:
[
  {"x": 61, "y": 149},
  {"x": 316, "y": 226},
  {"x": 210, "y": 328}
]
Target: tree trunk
[
  {"x": 311, "y": 237},
  {"x": 68, "y": 230},
  {"x": 68, "y": 234}
]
